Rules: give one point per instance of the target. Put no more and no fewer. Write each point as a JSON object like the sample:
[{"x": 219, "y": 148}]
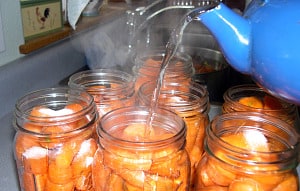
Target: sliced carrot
[
  {"x": 290, "y": 183},
  {"x": 137, "y": 132},
  {"x": 131, "y": 162},
  {"x": 22, "y": 143},
  {"x": 160, "y": 183},
  {"x": 129, "y": 187},
  {"x": 40, "y": 182},
  {"x": 75, "y": 107},
  {"x": 167, "y": 166},
  {"x": 59, "y": 175},
  {"x": 68, "y": 186},
  {"x": 251, "y": 101},
  {"x": 183, "y": 181},
  {"x": 249, "y": 140},
  {"x": 269, "y": 181},
  {"x": 35, "y": 160},
  {"x": 100, "y": 173},
  {"x": 214, "y": 188},
  {"x": 32, "y": 182},
  {"x": 115, "y": 183},
  {"x": 82, "y": 164},
  {"x": 32, "y": 127},
  {"x": 41, "y": 111},
  {"x": 135, "y": 178},
  {"x": 245, "y": 184},
  {"x": 218, "y": 173},
  {"x": 63, "y": 155},
  {"x": 83, "y": 160},
  {"x": 83, "y": 181},
  {"x": 202, "y": 177},
  {"x": 28, "y": 182}
]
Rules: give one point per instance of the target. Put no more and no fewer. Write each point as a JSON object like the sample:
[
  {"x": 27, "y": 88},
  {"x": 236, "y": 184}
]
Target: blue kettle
[{"x": 264, "y": 42}]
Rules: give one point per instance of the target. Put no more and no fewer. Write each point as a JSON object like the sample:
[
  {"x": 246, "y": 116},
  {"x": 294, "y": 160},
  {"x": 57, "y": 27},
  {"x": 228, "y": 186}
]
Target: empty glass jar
[
  {"x": 55, "y": 140},
  {"x": 134, "y": 155}
]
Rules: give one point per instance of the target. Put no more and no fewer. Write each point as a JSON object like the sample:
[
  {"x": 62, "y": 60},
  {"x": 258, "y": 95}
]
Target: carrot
[
  {"x": 251, "y": 101},
  {"x": 268, "y": 182},
  {"x": 35, "y": 160},
  {"x": 62, "y": 156},
  {"x": 290, "y": 183},
  {"x": 135, "y": 178},
  {"x": 218, "y": 173},
  {"x": 100, "y": 172},
  {"x": 202, "y": 177},
  {"x": 22, "y": 143},
  {"x": 213, "y": 188},
  {"x": 244, "y": 184},
  {"x": 160, "y": 183},
  {"x": 250, "y": 140},
  {"x": 130, "y": 162},
  {"x": 59, "y": 175},
  {"x": 115, "y": 183},
  {"x": 165, "y": 166},
  {"x": 50, "y": 186},
  {"x": 32, "y": 182},
  {"x": 82, "y": 164}
]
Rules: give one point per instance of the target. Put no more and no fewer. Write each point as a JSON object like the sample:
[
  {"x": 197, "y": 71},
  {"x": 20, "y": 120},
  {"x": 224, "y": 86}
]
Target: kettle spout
[{"x": 232, "y": 32}]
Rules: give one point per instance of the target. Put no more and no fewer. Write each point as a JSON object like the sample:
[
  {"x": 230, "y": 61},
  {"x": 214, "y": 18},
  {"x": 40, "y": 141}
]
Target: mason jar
[
  {"x": 249, "y": 151},
  {"x": 250, "y": 97},
  {"x": 55, "y": 140},
  {"x": 136, "y": 153},
  {"x": 148, "y": 66},
  {"x": 110, "y": 88},
  {"x": 191, "y": 103}
]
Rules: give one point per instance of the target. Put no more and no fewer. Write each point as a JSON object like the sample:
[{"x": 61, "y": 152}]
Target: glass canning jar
[
  {"x": 249, "y": 97},
  {"x": 135, "y": 156},
  {"x": 110, "y": 88},
  {"x": 148, "y": 65},
  {"x": 191, "y": 103},
  {"x": 249, "y": 151},
  {"x": 55, "y": 140}
]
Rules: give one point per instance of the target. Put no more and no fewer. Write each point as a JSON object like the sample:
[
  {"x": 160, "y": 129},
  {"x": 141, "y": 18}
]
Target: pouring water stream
[{"x": 171, "y": 48}]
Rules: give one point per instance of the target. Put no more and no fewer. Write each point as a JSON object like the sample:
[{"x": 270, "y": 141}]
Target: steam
[{"x": 106, "y": 46}]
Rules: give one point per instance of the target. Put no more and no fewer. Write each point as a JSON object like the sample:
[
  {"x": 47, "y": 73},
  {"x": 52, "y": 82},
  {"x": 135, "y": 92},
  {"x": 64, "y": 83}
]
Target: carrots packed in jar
[
  {"x": 148, "y": 64},
  {"x": 250, "y": 97},
  {"x": 55, "y": 140},
  {"x": 110, "y": 88},
  {"x": 191, "y": 103},
  {"x": 135, "y": 156},
  {"x": 249, "y": 151}
]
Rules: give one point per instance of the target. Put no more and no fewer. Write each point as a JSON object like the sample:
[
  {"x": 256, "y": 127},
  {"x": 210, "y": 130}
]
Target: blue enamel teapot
[{"x": 264, "y": 42}]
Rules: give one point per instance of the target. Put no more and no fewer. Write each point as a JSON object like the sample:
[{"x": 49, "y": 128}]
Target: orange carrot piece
[
  {"x": 35, "y": 160},
  {"x": 251, "y": 101},
  {"x": 68, "y": 186},
  {"x": 59, "y": 175}
]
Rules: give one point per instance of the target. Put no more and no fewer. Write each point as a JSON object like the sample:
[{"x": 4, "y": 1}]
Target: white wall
[{"x": 12, "y": 30}]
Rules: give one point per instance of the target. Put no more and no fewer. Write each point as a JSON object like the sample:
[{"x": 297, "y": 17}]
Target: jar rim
[
  {"x": 140, "y": 114},
  {"x": 199, "y": 98},
  {"x": 238, "y": 89},
  {"x": 50, "y": 97},
  {"x": 279, "y": 131}
]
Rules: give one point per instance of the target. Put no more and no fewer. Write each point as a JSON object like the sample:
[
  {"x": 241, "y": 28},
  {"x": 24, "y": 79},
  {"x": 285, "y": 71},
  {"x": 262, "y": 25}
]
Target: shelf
[{"x": 106, "y": 14}]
